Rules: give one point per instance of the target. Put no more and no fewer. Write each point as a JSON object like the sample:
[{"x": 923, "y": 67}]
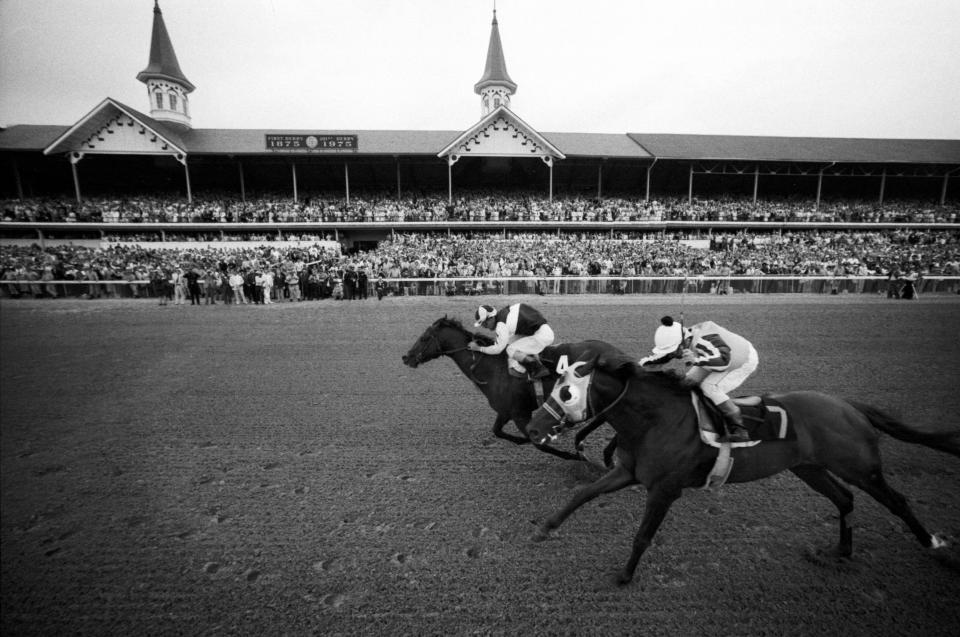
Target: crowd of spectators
[
  {"x": 320, "y": 273},
  {"x": 465, "y": 206}
]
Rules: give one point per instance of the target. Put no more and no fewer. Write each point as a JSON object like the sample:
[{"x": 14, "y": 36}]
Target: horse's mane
[
  {"x": 662, "y": 379},
  {"x": 453, "y": 323},
  {"x": 446, "y": 321}
]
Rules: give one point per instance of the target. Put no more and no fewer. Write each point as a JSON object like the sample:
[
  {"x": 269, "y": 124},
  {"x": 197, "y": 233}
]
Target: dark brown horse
[
  {"x": 659, "y": 446},
  {"x": 513, "y": 399}
]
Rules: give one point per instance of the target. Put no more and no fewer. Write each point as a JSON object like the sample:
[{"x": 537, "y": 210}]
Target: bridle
[
  {"x": 432, "y": 335},
  {"x": 564, "y": 422}
]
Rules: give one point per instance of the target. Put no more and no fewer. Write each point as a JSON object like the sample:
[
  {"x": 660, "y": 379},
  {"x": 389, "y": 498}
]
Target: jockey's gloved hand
[
  {"x": 472, "y": 346},
  {"x": 689, "y": 358}
]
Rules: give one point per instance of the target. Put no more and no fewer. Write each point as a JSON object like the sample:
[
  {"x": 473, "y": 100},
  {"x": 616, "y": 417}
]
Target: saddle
[{"x": 764, "y": 417}]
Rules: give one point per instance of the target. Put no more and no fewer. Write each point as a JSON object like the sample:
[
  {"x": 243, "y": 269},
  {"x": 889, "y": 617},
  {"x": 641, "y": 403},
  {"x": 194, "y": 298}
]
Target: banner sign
[{"x": 318, "y": 143}]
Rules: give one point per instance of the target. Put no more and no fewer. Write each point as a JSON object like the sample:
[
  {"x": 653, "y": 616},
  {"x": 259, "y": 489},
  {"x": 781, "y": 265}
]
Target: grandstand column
[
  {"x": 599, "y": 178},
  {"x": 243, "y": 186},
  {"x": 820, "y": 184},
  {"x": 883, "y": 186},
  {"x": 649, "y": 169},
  {"x": 756, "y": 182},
  {"x": 397, "y": 159},
  {"x": 690, "y": 187},
  {"x": 293, "y": 168},
  {"x": 346, "y": 181},
  {"x": 16, "y": 179},
  {"x": 943, "y": 188},
  {"x": 75, "y": 158},
  {"x": 548, "y": 160},
  {"x": 451, "y": 160},
  {"x": 186, "y": 171}
]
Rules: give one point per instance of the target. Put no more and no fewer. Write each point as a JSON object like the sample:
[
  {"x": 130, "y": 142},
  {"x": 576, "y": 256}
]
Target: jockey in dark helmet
[
  {"x": 521, "y": 331},
  {"x": 719, "y": 361}
]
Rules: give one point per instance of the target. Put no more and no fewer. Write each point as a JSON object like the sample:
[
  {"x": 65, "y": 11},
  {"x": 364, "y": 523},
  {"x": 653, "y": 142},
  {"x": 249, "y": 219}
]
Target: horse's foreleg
[
  {"x": 659, "y": 500},
  {"x": 499, "y": 433},
  {"x": 615, "y": 479},
  {"x": 583, "y": 433},
  {"x": 608, "y": 452},
  {"x": 825, "y": 484}
]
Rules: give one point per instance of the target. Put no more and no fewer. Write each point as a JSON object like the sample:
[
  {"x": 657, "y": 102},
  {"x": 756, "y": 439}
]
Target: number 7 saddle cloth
[{"x": 763, "y": 416}]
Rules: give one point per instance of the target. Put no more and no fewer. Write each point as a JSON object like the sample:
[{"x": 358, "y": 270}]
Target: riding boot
[
  {"x": 516, "y": 368},
  {"x": 736, "y": 432}
]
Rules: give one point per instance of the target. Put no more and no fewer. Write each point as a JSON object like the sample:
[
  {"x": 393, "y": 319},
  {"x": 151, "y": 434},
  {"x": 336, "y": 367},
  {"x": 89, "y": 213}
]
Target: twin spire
[
  {"x": 495, "y": 87},
  {"x": 168, "y": 87}
]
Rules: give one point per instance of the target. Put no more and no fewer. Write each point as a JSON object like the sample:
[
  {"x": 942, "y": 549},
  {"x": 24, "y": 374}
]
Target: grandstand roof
[
  {"x": 37, "y": 137},
  {"x": 28, "y": 137},
  {"x": 799, "y": 149}
]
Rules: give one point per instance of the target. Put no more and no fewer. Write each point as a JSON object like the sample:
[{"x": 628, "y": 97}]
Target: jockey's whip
[{"x": 683, "y": 297}]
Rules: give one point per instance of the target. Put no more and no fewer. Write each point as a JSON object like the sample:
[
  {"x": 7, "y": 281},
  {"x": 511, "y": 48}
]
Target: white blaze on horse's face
[{"x": 568, "y": 400}]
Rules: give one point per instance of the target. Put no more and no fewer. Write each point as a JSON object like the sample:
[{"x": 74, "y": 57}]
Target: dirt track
[{"x": 252, "y": 470}]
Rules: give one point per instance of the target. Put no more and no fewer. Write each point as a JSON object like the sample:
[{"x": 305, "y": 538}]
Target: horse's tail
[{"x": 948, "y": 441}]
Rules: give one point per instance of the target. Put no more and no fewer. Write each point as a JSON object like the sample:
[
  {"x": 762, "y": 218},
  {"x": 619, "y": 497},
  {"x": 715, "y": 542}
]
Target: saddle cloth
[{"x": 764, "y": 417}]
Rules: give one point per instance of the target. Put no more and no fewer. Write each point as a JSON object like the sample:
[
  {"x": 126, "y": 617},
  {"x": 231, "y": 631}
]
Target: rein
[
  {"x": 563, "y": 424},
  {"x": 456, "y": 350}
]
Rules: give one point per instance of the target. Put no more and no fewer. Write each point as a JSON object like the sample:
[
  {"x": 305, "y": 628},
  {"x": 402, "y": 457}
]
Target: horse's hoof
[
  {"x": 624, "y": 578},
  {"x": 540, "y": 535},
  {"x": 937, "y": 542}
]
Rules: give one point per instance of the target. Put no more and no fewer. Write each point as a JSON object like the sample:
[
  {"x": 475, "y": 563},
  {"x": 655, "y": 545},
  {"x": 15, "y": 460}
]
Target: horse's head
[
  {"x": 445, "y": 336},
  {"x": 586, "y": 389}
]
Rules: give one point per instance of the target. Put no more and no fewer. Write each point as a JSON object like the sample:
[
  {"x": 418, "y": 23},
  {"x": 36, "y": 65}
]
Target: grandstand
[{"x": 122, "y": 177}]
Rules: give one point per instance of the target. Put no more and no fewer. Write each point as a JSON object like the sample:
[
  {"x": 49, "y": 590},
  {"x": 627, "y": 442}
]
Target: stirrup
[{"x": 735, "y": 433}]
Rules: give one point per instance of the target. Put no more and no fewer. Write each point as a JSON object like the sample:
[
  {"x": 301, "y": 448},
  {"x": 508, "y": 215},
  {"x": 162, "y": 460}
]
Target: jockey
[
  {"x": 521, "y": 331},
  {"x": 719, "y": 361}
]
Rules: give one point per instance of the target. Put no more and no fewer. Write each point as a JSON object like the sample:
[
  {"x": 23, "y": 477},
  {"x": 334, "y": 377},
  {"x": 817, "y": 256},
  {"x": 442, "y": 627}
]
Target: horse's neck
[
  {"x": 472, "y": 363},
  {"x": 648, "y": 404}
]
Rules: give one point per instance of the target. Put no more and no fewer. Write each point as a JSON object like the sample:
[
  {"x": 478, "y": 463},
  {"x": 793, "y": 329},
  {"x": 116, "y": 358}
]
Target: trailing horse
[
  {"x": 513, "y": 399},
  {"x": 824, "y": 440}
]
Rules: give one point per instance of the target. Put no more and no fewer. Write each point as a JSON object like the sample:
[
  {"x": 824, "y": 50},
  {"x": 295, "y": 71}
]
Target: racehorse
[
  {"x": 513, "y": 399},
  {"x": 659, "y": 446}
]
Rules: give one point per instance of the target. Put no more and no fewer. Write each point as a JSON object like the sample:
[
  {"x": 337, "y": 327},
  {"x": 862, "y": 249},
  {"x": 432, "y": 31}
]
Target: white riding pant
[
  {"x": 523, "y": 346},
  {"x": 717, "y": 384}
]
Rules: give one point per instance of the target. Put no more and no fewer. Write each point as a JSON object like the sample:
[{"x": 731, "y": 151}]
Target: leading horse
[
  {"x": 513, "y": 399},
  {"x": 659, "y": 446}
]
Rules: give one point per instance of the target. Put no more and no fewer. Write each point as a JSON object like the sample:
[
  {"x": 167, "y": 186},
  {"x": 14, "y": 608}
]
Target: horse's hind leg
[
  {"x": 820, "y": 480},
  {"x": 877, "y": 486}
]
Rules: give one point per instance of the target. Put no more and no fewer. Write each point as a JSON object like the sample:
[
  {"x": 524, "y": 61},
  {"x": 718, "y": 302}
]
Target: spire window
[{"x": 173, "y": 101}]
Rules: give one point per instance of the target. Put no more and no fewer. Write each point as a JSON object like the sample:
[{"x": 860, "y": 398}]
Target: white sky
[{"x": 832, "y": 68}]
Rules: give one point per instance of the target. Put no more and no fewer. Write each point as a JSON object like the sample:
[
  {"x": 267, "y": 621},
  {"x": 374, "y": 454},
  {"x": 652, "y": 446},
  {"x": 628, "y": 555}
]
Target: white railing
[{"x": 558, "y": 285}]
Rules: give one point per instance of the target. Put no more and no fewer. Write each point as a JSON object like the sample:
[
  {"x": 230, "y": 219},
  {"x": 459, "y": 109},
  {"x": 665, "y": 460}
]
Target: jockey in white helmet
[
  {"x": 719, "y": 361},
  {"x": 522, "y": 331}
]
